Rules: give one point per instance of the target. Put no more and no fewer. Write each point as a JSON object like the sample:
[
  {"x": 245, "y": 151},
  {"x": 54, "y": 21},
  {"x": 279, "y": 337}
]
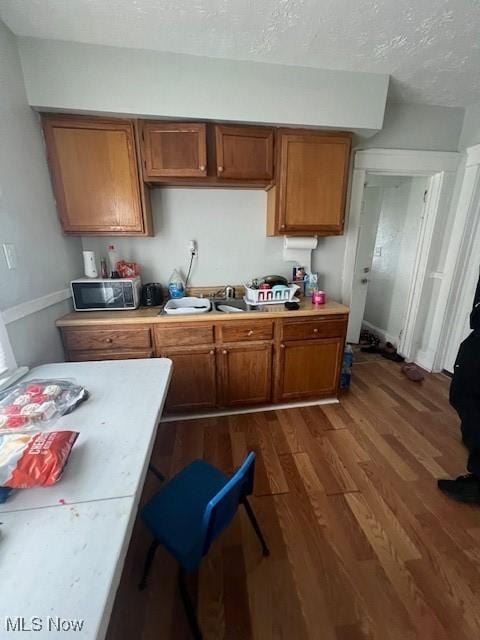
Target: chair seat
[{"x": 175, "y": 514}]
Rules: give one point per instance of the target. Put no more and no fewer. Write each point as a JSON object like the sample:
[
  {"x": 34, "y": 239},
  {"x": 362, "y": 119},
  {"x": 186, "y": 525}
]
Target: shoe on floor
[{"x": 464, "y": 488}]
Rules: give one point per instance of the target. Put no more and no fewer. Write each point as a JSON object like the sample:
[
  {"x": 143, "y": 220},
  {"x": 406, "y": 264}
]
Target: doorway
[
  {"x": 430, "y": 280},
  {"x": 390, "y": 229}
]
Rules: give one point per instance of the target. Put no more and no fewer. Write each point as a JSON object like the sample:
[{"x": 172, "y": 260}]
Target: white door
[{"x": 369, "y": 216}]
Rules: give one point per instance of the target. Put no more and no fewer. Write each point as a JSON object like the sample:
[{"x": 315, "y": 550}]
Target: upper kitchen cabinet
[
  {"x": 95, "y": 176},
  {"x": 173, "y": 150},
  {"x": 243, "y": 152},
  {"x": 311, "y": 183}
]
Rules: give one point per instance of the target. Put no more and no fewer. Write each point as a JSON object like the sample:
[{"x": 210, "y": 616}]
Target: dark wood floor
[{"x": 363, "y": 544}]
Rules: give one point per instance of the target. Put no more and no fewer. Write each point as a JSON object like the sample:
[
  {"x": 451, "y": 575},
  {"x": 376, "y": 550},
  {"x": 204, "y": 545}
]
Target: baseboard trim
[
  {"x": 24, "y": 309},
  {"x": 233, "y": 412}
]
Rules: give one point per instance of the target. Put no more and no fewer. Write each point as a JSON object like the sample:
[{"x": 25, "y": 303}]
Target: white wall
[
  {"x": 229, "y": 228},
  {"x": 390, "y": 277},
  {"x": 67, "y": 75},
  {"x": 417, "y": 126},
  {"x": 28, "y": 218},
  {"x": 470, "y": 134}
]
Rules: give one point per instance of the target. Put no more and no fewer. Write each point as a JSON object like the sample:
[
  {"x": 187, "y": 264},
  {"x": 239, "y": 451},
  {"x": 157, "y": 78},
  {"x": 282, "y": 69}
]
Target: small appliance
[
  {"x": 152, "y": 294},
  {"x": 104, "y": 294}
]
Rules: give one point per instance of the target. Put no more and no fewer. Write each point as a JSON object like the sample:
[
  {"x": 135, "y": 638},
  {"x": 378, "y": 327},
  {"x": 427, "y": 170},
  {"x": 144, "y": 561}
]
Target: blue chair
[{"x": 190, "y": 512}]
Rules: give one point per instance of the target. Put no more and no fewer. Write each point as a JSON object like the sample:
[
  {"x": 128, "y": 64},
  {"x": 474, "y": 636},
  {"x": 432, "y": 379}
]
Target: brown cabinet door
[
  {"x": 173, "y": 149},
  {"x": 94, "y": 170},
  {"x": 311, "y": 186},
  {"x": 246, "y": 374},
  {"x": 309, "y": 368},
  {"x": 194, "y": 382},
  {"x": 244, "y": 152}
]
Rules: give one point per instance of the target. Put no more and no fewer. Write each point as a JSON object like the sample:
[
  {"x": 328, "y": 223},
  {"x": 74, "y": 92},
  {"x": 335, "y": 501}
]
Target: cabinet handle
[
  {"x": 315, "y": 330},
  {"x": 108, "y": 340},
  {"x": 282, "y": 346},
  {"x": 225, "y": 352},
  {"x": 211, "y": 352},
  {"x": 202, "y": 167},
  {"x": 220, "y": 169},
  {"x": 250, "y": 333}
]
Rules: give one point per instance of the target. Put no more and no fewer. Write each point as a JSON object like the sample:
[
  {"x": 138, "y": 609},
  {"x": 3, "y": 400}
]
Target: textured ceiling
[{"x": 431, "y": 48}]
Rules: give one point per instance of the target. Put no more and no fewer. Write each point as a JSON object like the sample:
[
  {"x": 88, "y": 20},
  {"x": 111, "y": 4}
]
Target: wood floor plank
[{"x": 363, "y": 545}]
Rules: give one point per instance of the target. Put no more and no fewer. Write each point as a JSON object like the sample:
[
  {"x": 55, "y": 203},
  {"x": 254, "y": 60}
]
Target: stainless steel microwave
[{"x": 99, "y": 294}]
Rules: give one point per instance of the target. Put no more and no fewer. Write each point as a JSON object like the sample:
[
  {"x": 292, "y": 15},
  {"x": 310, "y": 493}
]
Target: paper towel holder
[{"x": 299, "y": 249}]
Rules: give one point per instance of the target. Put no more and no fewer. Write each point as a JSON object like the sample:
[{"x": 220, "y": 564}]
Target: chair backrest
[{"x": 222, "y": 508}]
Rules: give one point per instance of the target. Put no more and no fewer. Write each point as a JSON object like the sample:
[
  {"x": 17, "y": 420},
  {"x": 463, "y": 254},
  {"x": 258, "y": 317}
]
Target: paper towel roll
[
  {"x": 299, "y": 250},
  {"x": 293, "y": 242}
]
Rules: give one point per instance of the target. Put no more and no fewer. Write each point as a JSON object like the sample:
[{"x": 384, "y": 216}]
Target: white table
[
  {"x": 117, "y": 427},
  {"x": 63, "y": 562}
]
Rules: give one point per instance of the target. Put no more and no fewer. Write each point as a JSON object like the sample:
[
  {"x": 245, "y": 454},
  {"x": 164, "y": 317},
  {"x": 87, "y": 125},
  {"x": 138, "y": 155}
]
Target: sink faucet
[{"x": 229, "y": 292}]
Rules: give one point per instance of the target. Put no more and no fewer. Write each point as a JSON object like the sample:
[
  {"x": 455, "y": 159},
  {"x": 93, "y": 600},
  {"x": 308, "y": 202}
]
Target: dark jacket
[{"x": 465, "y": 387}]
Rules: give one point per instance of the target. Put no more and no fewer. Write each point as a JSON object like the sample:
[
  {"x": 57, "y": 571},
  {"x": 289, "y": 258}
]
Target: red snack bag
[{"x": 34, "y": 460}]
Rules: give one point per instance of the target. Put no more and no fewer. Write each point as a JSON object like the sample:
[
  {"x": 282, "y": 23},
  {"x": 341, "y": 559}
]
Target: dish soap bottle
[{"x": 176, "y": 286}]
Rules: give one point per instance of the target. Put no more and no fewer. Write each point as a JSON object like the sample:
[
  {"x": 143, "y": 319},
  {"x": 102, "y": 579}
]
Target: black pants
[
  {"x": 465, "y": 397},
  {"x": 471, "y": 439}
]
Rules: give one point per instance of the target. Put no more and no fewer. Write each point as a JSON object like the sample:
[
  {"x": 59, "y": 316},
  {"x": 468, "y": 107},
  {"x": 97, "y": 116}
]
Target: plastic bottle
[
  {"x": 176, "y": 285},
  {"x": 346, "y": 374},
  {"x": 112, "y": 258}
]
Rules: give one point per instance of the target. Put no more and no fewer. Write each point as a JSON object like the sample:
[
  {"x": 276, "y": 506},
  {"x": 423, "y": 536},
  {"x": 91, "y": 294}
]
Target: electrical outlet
[
  {"x": 378, "y": 252},
  {"x": 192, "y": 247},
  {"x": 10, "y": 255}
]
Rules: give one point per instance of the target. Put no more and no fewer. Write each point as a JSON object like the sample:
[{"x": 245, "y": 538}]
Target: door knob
[{"x": 364, "y": 280}]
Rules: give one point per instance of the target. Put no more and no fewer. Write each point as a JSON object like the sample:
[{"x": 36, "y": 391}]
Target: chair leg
[
  {"x": 153, "y": 469},
  {"x": 148, "y": 563},
  {"x": 187, "y": 603},
  {"x": 256, "y": 526}
]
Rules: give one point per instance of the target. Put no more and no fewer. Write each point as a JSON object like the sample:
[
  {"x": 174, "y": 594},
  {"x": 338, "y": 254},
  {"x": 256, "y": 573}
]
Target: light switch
[
  {"x": 10, "y": 255},
  {"x": 378, "y": 252}
]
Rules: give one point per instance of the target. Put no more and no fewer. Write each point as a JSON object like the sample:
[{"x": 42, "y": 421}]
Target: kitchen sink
[{"x": 230, "y": 305}]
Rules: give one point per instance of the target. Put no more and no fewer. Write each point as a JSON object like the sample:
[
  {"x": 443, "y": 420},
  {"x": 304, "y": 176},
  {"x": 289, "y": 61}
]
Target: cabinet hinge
[{"x": 425, "y": 195}]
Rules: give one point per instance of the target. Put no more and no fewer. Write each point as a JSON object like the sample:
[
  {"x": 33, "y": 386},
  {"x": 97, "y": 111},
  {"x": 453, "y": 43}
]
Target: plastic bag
[
  {"x": 34, "y": 403},
  {"x": 34, "y": 459}
]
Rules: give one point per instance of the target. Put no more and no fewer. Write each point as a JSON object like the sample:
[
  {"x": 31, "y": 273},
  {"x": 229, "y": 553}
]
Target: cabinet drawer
[
  {"x": 106, "y": 339},
  {"x": 85, "y": 356},
  {"x": 183, "y": 334},
  {"x": 251, "y": 330},
  {"x": 304, "y": 330}
]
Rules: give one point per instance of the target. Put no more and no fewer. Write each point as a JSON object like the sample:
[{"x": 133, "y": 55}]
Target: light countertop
[{"x": 153, "y": 315}]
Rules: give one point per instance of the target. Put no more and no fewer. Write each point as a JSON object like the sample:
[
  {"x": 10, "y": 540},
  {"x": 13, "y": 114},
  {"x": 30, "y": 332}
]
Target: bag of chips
[
  {"x": 34, "y": 403},
  {"x": 34, "y": 459}
]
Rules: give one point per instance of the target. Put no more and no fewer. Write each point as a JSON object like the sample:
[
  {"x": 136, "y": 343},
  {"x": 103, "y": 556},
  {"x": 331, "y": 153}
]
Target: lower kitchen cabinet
[
  {"x": 194, "y": 379},
  {"x": 245, "y": 374},
  {"x": 226, "y": 364},
  {"x": 308, "y": 368}
]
